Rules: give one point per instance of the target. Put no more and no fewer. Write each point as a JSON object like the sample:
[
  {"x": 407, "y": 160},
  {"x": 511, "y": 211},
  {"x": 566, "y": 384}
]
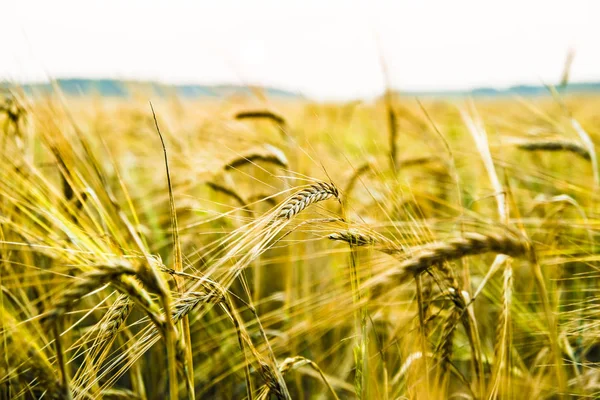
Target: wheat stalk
[
  {"x": 313, "y": 194},
  {"x": 503, "y": 337}
]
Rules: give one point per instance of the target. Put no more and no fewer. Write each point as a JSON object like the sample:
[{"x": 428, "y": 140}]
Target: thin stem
[{"x": 420, "y": 304}]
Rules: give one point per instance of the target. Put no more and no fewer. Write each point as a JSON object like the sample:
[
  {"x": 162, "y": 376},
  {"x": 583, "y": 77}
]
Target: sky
[{"x": 327, "y": 49}]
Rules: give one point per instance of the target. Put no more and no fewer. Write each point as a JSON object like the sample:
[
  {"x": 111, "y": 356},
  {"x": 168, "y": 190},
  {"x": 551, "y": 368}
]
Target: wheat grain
[{"x": 448, "y": 275}]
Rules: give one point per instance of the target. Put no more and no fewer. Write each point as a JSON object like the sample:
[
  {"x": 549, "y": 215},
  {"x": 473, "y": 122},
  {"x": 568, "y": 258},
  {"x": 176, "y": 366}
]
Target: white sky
[{"x": 324, "y": 49}]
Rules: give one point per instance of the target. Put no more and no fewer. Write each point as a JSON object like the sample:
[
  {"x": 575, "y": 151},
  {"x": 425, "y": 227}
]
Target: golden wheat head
[
  {"x": 469, "y": 244},
  {"x": 313, "y": 194}
]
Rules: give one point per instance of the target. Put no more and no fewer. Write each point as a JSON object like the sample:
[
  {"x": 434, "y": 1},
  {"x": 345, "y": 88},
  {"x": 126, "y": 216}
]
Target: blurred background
[{"x": 328, "y": 50}]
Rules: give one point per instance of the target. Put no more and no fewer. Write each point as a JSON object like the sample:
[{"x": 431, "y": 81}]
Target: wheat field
[{"x": 254, "y": 248}]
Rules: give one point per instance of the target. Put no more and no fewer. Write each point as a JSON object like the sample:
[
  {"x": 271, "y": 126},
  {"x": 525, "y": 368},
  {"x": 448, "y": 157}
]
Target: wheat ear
[
  {"x": 353, "y": 237},
  {"x": 115, "y": 318},
  {"x": 136, "y": 292},
  {"x": 260, "y": 114},
  {"x": 313, "y": 194},
  {"x": 265, "y": 114},
  {"x": 217, "y": 187},
  {"x": 556, "y": 145},
  {"x": 469, "y": 244},
  {"x": 90, "y": 280},
  {"x": 446, "y": 344},
  {"x": 416, "y": 161},
  {"x": 270, "y": 154},
  {"x": 291, "y": 363},
  {"x": 31, "y": 367},
  {"x": 191, "y": 300},
  {"x": 108, "y": 327}
]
